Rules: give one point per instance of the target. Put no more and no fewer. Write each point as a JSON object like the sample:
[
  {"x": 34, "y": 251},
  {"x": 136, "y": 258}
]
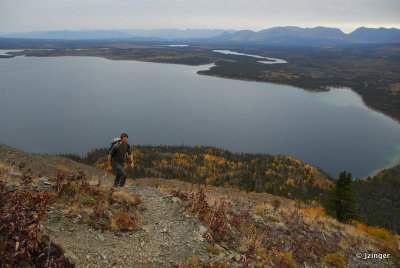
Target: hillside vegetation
[
  {"x": 279, "y": 175},
  {"x": 379, "y": 199}
]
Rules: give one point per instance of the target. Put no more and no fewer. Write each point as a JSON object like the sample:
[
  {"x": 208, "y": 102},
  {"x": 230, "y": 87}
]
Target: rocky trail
[{"x": 167, "y": 235}]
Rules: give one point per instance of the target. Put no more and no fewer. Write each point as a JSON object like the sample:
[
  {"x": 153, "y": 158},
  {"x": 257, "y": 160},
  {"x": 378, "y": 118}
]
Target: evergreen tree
[{"x": 342, "y": 202}]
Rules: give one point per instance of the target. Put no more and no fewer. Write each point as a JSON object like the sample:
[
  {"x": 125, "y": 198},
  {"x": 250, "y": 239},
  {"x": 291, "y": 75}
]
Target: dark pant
[{"x": 120, "y": 174}]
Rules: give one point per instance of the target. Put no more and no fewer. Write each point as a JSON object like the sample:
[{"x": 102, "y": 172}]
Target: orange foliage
[
  {"x": 317, "y": 211},
  {"x": 123, "y": 221},
  {"x": 382, "y": 233}
]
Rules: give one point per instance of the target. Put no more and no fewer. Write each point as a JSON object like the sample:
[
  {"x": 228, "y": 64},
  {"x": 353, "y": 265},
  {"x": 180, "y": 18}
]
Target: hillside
[
  {"x": 285, "y": 176},
  {"x": 73, "y": 218},
  {"x": 275, "y": 174},
  {"x": 379, "y": 199}
]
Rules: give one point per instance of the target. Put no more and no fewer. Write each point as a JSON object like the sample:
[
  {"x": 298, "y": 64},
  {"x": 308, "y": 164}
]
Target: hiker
[{"x": 116, "y": 159}]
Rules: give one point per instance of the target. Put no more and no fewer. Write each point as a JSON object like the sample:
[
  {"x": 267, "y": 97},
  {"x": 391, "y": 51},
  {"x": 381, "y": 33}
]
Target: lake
[
  {"x": 73, "y": 104},
  {"x": 269, "y": 60}
]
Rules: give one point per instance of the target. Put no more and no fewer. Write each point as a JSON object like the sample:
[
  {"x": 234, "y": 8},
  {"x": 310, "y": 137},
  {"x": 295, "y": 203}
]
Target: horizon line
[{"x": 194, "y": 28}]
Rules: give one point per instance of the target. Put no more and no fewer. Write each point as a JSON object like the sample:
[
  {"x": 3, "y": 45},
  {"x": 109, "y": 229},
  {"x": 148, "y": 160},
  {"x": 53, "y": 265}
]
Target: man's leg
[
  {"x": 123, "y": 177},
  {"x": 116, "y": 181},
  {"x": 117, "y": 175}
]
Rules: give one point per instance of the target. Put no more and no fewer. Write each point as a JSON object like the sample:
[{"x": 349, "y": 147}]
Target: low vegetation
[
  {"x": 25, "y": 199},
  {"x": 22, "y": 243},
  {"x": 101, "y": 207}
]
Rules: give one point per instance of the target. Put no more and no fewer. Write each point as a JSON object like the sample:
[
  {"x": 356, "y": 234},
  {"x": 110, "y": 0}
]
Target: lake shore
[{"x": 331, "y": 69}]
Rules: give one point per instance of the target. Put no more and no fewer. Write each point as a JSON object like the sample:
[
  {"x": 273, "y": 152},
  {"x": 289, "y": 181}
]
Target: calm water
[
  {"x": 73, "y": 104},
  {"x": 270, "y": 60}
]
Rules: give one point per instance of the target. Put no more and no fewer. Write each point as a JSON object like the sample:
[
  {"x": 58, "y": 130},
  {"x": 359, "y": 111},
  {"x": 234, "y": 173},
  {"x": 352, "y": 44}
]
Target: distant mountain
[
  {"x": 380, "y": 35},
  {"x": 289, "y": 35},
  {"x": 165, "y": 34},
  {"x": 311, "y": 36}
]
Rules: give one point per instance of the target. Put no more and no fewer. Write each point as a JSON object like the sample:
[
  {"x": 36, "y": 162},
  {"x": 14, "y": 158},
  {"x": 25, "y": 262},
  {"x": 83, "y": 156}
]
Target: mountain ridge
[
  {"x": 292, "y": 35},
  {"x": 287, "y": 35}
]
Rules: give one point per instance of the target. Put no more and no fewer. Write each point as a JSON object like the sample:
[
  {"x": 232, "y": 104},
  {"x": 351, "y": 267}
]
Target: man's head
[{"x": 124, "y": 138}]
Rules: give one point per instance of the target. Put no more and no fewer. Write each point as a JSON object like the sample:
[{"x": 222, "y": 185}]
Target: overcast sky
[{"x": 38, "y": 15}]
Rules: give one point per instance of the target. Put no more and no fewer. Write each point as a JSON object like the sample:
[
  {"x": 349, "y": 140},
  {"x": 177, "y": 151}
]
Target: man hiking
[{"x": 116, "y": 159}]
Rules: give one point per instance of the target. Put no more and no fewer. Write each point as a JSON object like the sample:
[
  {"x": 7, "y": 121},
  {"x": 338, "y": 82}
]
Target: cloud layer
[{"x": 28, "y": 15}]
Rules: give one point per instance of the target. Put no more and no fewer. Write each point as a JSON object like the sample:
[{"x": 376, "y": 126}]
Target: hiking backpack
[{"x": 113, "y": 142}]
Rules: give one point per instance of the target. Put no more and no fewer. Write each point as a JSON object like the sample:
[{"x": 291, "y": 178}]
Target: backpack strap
[{"x": 112, "y": 146}]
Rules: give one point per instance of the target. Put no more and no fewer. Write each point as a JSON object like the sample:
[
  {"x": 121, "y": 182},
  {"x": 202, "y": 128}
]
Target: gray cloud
[{"x": 28, "y": 15}]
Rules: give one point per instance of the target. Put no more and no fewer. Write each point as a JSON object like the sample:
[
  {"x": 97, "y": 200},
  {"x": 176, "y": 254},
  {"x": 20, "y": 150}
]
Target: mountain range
[
  {"x": 310, "y": 36},
  {"x": 289, "y": 35}
]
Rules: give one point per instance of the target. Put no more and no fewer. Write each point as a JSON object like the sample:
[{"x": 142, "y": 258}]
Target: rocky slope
[
  {"x": 177, "y": 224},
  {"x": 167, "y": 235}
]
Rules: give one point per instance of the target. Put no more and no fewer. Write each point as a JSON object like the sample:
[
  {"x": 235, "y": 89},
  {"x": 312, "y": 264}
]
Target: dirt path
[{"x": 168, "y": 234}]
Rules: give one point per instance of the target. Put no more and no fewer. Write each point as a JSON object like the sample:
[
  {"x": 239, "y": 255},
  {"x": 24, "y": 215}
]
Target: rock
[
  {"x": 164, "y": 231},
  {"x": 11, "y": 188},
  {"x": 218, "y": 247},
  {"x": 177, "y": 200},
  {"x": 35, "y": 189},
  {"x": 202, "y": 230},
  {"x": 77, "y": 219},
  {"x": 129, "y": 235},
  {"x": 104, "y": 256},
  {"x": 237, "y": 257},
  {"x": 224, "y": 245},
  {"x": 200, "y": 238},
  {"x": 71, "y": 256},
  {"x": 145, "y": 228},
  {"x": 43, "y": 179},
  {"x": 108, "y": 213},
  {"x": 101, "y": 237}
]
